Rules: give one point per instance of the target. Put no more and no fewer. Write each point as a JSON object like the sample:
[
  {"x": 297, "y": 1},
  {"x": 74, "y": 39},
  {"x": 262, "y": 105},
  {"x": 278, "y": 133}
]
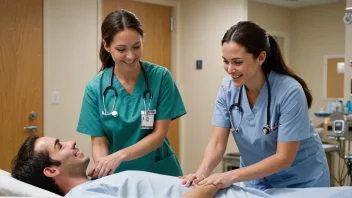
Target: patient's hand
[{"x": 202, "y": 192}]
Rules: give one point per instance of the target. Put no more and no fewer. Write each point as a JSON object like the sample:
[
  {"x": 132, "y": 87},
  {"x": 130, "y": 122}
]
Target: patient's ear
[{"x": 51, "y": 171}]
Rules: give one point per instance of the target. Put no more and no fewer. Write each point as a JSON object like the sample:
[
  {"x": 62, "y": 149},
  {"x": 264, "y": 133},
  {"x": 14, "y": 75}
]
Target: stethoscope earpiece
[{"x": 266, "y": 129}]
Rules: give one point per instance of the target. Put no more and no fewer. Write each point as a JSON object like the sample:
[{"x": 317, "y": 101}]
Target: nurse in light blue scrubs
[
  {"x": 127, "y": 108},
  {"x": 264, "y": 105}
]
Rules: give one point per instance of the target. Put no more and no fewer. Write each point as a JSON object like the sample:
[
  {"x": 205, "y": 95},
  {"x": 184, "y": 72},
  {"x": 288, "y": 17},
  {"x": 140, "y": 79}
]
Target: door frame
[{"x": 175, "y": 57}]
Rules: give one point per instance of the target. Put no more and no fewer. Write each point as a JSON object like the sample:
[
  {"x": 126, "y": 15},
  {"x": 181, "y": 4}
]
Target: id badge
[{"x": 148, "y": 119}]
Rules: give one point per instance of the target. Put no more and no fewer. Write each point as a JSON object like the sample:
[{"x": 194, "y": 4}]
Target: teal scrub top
[
  {"x": 125, "y": 129},
  {"x": 290, "y": 120}
]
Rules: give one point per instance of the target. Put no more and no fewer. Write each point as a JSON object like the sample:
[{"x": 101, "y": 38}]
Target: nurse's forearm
[
  {"x": 266, "y": 167},
  {"x": 283, "y": 159},
  {"x": 99, "y": 148},
  {"x": 211, "y": 158},
  {"x": 147, "y": 144},
  {"x": 215, "y": 150},
  {"x": 141, "y": 148}
]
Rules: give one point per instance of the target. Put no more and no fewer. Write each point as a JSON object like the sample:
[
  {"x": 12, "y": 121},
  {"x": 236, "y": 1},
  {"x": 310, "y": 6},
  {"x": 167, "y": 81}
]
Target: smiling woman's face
[
  {"x": 239, "y": 64},
  {"x": 126, "y": 49}
]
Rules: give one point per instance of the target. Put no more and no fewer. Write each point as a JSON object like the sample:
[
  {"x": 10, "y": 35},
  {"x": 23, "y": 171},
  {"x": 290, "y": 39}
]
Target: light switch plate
[{"x": 55, "y": 98}]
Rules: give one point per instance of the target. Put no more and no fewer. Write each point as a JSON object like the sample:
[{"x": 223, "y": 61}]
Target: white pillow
[
  {"x": 10, "y": 186},
  {"x": 4, "y": 173}
]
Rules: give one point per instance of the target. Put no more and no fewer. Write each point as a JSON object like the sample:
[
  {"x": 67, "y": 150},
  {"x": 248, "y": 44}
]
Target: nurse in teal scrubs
[{"x": 127, "y": 108}]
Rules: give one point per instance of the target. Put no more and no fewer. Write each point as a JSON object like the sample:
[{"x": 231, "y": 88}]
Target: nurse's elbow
[
  {"x": 286, "y": 163},
  {"x": 159, "y": 140}
]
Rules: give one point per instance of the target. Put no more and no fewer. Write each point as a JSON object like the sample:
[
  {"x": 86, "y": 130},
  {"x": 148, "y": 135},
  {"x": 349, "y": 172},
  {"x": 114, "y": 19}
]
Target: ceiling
[{"x": 298, "y": 3}]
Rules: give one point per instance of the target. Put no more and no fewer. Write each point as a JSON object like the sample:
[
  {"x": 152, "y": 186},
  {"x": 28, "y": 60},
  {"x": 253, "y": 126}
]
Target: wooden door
[
  {"x": 21, "y": 74},
  {"x": 157, "y": 41}
]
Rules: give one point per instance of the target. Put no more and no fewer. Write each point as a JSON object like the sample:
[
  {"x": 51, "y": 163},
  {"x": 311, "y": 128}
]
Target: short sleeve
[
  {"x": 221, "y": 113},
  {"x": 170, "y": 104},
  {"x": 294, "y": 121},
  {"x": 89, "y": 120}
]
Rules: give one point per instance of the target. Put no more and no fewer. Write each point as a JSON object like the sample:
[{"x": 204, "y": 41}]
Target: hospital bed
[{"x": 11, "y": 188}]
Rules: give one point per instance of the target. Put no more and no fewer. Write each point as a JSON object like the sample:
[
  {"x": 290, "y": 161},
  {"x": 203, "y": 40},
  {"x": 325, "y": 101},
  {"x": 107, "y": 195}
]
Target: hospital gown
[{"x": 137, "y": 184}]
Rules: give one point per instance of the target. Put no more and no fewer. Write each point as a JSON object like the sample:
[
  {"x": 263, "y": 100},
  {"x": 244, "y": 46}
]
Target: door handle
[{"x": 32, "y": 128}]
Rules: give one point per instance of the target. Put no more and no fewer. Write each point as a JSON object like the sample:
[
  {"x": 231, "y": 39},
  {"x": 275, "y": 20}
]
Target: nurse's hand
[
  {"x": 192, "y": 178},
  {"x": 223, "y": 179},
  {"x": 105, "y": 166}
]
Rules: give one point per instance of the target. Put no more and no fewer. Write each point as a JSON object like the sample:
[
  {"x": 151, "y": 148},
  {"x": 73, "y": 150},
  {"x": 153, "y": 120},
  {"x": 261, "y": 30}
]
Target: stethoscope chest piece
[
  {"x": 114, "y": 114},
  {"x": 266, "y": 130}
]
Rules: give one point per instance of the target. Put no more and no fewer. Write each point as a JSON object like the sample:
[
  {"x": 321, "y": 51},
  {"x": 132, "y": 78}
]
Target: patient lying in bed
[{"x": 61, "y": 168}]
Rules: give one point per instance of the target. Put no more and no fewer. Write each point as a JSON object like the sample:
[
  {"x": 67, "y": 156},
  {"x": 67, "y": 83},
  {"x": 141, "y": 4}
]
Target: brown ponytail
[
  {"x": 276, "y": 63},
  {"x": 105, "y": 58}
]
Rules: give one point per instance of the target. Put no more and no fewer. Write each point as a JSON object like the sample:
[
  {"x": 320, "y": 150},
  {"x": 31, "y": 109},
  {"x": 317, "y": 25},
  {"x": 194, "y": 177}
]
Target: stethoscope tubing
[
  {"x": 111, "y": 86},
  {"x": 267, "y": 129}
]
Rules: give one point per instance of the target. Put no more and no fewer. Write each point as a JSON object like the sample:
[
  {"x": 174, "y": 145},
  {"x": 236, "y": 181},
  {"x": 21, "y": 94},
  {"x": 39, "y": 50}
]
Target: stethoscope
[
  {"x": 145, "y": 92},
  {"x": 267, "y": 129}
]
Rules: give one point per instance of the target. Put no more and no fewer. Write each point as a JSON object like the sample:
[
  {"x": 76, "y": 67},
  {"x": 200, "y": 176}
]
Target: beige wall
[
  {"x": 270, "y": 17},
  {"x": 70, "y": 59},
  {"x": 348, "y": 57},
  {"x": 316, "y": 31},
  {"x": 275, "y": 20},
  {"x": 203, "y": 24}
]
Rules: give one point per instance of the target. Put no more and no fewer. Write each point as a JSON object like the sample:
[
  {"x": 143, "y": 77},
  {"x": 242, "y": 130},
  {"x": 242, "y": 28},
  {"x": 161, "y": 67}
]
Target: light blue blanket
[{"x": 149, "y": 185}]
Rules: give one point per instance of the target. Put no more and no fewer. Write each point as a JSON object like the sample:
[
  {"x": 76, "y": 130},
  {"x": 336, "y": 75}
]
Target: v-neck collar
[
  {"x": 136, "y": 89},
  {"x": 262, "y": 98}
]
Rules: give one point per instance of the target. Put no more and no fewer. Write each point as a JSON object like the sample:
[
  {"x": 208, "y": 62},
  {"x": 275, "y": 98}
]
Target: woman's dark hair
[
  {"x": 28, "y": 166},
  {"x": 255, "y": 40},
  {"x": 115, "y": 22}
]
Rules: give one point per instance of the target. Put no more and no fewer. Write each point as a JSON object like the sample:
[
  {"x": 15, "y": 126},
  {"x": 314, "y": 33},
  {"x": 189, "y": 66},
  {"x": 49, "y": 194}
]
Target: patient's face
[{"x": 73, "y": 162}]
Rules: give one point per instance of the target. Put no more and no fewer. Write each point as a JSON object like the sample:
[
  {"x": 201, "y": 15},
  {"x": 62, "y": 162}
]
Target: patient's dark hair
[{"x": 28, "y": 166}]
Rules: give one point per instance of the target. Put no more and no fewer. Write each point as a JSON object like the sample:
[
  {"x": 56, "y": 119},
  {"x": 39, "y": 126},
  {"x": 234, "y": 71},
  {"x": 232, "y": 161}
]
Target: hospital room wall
[
  {"x": 274, "y": 19},
  {"x": 348, "y": 58},
  {"x": 316, "y": 31},
  {"x": 203, "y": 24},
  {"x": 70, "y": 61}
]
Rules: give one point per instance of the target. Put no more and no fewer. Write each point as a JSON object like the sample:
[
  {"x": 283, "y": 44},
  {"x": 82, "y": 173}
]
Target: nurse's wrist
[
  {"x": 234, "y": 177},
  {"x": 121, "y": 155},
  {"x": 203, "y": 171}
]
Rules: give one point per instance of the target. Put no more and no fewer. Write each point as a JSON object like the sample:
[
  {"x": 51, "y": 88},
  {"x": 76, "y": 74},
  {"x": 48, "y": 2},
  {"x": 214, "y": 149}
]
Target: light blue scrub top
[
  {"x": 289, "y": 111},
  {"x": 125, "y": 129}
]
